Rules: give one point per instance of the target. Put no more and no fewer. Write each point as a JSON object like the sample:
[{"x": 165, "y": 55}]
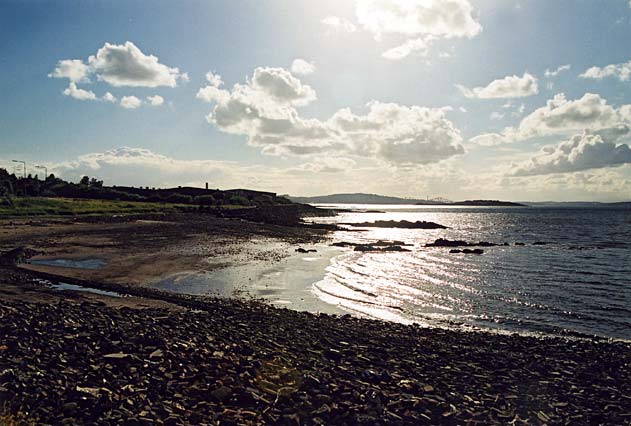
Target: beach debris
[
  {"x": 156, "y": 354},
  {"x": 118, "y": 355}
]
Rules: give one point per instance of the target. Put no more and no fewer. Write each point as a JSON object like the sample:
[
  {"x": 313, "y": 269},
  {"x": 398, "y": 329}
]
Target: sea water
[{"x": 578, "y": 283}]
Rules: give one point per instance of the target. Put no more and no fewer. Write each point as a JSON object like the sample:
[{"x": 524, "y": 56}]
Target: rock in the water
[
  {"x": 373, "y": 248},
  {"x": 442, "y": 242},
  {"x": 474, "y": 251},
  {"x": 395, "y": 248},
  {"x": 398, "y": 224},
  {"x": 467, "y": 251},
  {"x": 302, "y": 250}
]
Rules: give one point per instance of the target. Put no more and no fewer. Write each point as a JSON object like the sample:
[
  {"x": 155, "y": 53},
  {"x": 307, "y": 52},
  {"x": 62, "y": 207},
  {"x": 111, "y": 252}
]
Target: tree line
[{"x": 12, "y": 186}]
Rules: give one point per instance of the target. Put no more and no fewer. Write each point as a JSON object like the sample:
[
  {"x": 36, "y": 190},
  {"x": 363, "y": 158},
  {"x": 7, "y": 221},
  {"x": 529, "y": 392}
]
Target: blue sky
[{"x": 394, "y": 101}]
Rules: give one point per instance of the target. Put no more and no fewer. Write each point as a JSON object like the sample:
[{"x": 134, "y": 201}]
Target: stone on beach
[{"x": 236, "y": 362}]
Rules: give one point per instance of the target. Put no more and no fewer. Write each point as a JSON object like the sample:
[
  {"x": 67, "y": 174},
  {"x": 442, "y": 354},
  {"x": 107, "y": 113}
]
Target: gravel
[{"x": 234, "y": 362}]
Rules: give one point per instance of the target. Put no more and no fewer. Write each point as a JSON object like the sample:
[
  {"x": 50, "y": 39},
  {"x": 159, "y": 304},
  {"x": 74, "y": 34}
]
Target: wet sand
[{"x": 139, "y": 251}]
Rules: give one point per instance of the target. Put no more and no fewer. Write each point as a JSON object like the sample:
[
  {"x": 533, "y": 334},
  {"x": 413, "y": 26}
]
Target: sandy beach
[{"x": 138, "y": 250}]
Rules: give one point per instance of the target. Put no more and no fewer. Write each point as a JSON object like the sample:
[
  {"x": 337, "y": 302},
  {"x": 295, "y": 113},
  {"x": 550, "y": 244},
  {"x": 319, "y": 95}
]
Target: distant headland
[{"x": 360, "y": 198}]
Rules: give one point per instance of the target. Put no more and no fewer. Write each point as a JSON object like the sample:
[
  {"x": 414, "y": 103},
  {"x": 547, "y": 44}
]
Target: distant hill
[
  {"x": 360, "y": 198},
  {"x": 357, "y": 198}
]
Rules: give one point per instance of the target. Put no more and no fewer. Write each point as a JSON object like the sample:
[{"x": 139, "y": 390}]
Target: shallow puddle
[
  {"x": 93, "y": 263},
  {"x": 73, "y": 287}
]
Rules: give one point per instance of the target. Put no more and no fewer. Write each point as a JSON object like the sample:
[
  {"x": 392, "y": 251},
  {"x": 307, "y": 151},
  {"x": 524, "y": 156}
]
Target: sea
[{"x": 575, "y": 282}]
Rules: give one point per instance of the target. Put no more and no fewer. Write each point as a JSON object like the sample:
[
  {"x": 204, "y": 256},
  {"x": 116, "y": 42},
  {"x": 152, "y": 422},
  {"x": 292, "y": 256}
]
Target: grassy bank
[{"x": 39, "y": 206}]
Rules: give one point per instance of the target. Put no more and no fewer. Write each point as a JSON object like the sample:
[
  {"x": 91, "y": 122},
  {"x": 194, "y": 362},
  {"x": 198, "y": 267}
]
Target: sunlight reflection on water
[{"x": 577, "y": 283}]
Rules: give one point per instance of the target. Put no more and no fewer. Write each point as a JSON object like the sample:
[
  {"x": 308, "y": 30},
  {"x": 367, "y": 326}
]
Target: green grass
[{"x": 38, "y": 206}]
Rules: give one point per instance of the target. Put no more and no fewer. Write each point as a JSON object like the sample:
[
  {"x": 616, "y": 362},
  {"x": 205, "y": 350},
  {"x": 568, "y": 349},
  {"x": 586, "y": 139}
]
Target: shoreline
[
  {"x": 174, "y": 359},
  {"x": 338, "y": 369},
  {"x": 203, "y": 254}
]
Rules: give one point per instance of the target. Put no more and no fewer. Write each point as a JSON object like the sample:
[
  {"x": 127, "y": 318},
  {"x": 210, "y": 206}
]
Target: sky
[{"x": 522, "y": 100}]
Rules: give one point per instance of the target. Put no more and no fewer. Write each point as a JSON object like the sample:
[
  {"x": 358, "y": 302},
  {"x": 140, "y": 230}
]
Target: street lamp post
[
  {"x": 45, "y": 170},
  {"x": 23, "y": 165}
]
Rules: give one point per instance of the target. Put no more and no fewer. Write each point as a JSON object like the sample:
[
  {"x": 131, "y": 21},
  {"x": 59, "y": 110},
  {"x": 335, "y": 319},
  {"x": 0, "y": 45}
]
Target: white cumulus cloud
[
  {"x": 72, "y": 69},
  {"x": 420, "y": 22},
  {"x": 439, "y": 18},
  {"x": 553, "y": 73},
  {"x": 508, "y": 87},
  {"x": 399, "y": 134},
  {"x": 589, "y": 150},
  {"x": 214, "y": 79},
  {"x": 83, "y": 95},
  {"x": 281, "y": 85},
  {"x": 155, "y": 100},
  {"x": 302, "y": 67},
  {"x": 108, "y": 97},
  {"x": 116, "y": 65},
  {"x": 327, "y": 165},
  {"x": 141, "y": 167},
  {"x": 561, "y": 116},
  {"x": 418, "y": 46},
  {"x": 620, "y": 71},
  {"x": 127, "y": 65},
  {"x": 264, "y": 109},
  {"x": 130, "y": 102}
]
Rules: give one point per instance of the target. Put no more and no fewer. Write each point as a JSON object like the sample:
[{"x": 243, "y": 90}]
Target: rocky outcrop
[
  {"x": 373, "y": 248},
  {"x": 442, "y": 242},
  {"x": 398, "y": 224},
  {"x": 287, "y": 214},
  {"x": 467, "y": 251},
  {"x": 379, "y": 246}
]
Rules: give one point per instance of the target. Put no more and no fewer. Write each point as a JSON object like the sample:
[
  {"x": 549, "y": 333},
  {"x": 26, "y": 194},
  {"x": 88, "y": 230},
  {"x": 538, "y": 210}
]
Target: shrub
[
  {"x": 205, "y": 200},
  {"x": 179, "y": 199},
  {"x": 6, "y": 201}
]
